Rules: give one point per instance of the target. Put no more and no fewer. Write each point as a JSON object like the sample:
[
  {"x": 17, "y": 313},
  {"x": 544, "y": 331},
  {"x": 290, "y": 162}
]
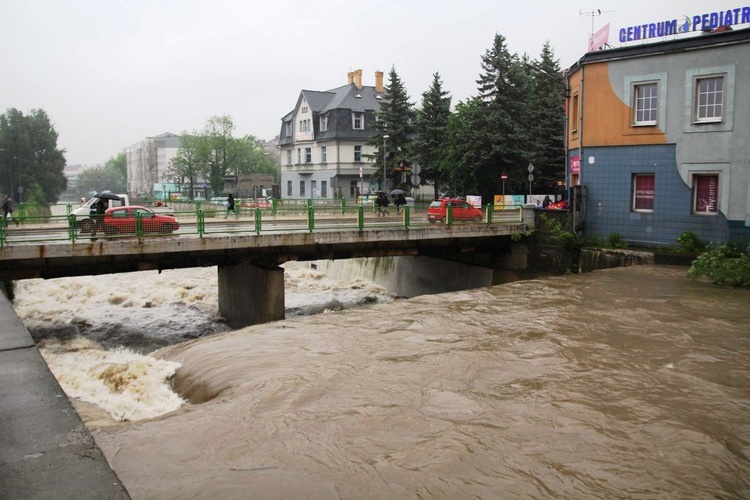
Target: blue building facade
[{"x": 659, "y": 136}]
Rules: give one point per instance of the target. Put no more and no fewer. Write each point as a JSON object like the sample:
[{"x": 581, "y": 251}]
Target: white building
[
  {"x": 148, "y": 161},
  {"x": 323, "y": 140}
]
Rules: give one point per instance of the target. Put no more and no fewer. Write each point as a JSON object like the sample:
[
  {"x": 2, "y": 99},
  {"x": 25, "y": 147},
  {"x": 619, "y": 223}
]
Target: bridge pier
[{"x": 250, "y": 294}]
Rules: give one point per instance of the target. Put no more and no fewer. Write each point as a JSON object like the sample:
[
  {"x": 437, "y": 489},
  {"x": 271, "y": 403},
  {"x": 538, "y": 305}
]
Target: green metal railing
[{"x": 210, "y": 220}]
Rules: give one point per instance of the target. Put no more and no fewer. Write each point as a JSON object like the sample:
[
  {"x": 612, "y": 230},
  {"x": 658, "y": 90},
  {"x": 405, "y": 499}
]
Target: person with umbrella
[
  {"x": 97, "y": 213},
  {"x": 382, "y": 203},
  {"x": 400, "y": 201}
]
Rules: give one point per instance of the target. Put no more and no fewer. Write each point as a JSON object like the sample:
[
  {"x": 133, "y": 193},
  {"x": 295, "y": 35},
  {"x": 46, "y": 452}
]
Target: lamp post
[
  {"x": 385, "y": 185},
  {"x": 11, "y": 176}
]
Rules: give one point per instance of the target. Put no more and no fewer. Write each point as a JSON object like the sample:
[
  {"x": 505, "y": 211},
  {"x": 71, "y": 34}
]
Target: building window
[
  {"x": 323, "y": 154},
  {"x": 288, "y": 129},
  {"x": 358, "y": 121},
  {"x": 357, "y": 154},
  {"x": 323, "y": 122},
  {"x": 304, "y": 125},
  {"x": 289, "y": 157},
  {"x": 646, "y": 100},
  {"x": 299, "y": 156},
  {"x": 289, "y": 188},
  {"x": 706, "y": 194},
  {"x": 643, "y": 192},
  {"x": 308, "y": 155},
  {"x": 304, "y": 109},
  {"x": 314, "y": 189},
  {"x": 323, "y": 189},
  {"x": 709, "y": 99},
  {"x": 353, "y": 189},
  {"x": 302, "y": 188},
  {"x": 574, "y": 115}
]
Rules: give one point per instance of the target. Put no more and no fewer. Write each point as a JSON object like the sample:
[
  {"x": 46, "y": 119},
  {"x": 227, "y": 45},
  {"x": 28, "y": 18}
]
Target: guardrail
[{"x": 215, "y": 220}]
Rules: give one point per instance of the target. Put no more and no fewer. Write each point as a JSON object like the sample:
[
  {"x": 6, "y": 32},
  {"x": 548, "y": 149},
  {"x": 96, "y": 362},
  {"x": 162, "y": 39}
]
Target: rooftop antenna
[{"x": 592, "y": 14}]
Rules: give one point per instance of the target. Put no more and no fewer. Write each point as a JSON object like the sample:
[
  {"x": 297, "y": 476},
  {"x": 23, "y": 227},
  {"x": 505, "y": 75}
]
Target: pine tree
[
  {"x": 395, "y": 120},
  {"x": 432, "y": 120},
  {"x": 503, "y": 143},
  {"x": 548, "y": 122}
]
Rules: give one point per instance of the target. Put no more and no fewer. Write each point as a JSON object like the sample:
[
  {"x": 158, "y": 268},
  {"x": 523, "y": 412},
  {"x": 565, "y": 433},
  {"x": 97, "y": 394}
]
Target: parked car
[
  {"x": 462, "y": 211},
  {"x": 122, "y": 220}
]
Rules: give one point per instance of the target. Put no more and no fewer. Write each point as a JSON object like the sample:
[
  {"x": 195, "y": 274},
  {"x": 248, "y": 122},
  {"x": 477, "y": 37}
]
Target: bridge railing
[{"x": 215, "y": 221}]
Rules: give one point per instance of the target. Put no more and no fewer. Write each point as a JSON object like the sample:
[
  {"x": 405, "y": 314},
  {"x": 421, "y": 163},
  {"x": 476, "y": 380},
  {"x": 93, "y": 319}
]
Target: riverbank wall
[{"x": 45, "y": 449}]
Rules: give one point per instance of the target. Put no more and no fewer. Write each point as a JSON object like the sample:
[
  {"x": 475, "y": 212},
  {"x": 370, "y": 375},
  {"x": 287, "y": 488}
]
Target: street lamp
[
  {"x": 385, "y": 185},
  {"x": 11, "y": 176}
]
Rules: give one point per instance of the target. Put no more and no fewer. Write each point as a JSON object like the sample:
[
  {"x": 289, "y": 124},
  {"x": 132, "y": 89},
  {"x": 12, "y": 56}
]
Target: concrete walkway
[{"x": 45, "y": 449}]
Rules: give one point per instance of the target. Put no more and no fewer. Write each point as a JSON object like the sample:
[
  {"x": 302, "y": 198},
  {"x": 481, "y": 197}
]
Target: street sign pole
[{"x": 531, "y": 177}]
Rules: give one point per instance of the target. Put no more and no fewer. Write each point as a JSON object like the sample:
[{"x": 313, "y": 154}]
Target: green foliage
[
  {"x": 690, "y": 244},
  {"x": 552, "y": 230},
  {"x": 429, "y": 146},
  {"x": 29, "y": 154},
  {"x": 396, "y": 120},
  {"x": 34, "y": 203},
  {"x": 614, "y": 240},
  {"x": 548, "y": 122},
  {"x": 112, "y": 176},
  {"x": 726, "y": 264},
  {"x": 589, "y": 240}
]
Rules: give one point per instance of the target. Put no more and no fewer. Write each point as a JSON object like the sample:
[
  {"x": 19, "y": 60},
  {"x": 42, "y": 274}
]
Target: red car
[
  {"x": 122, "y": 220},
  {"x": 462, "y": 211}
]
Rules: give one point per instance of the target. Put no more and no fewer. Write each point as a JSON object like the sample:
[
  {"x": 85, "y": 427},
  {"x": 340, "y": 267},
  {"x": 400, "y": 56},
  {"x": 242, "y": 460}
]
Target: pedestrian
[
  {"x": 97, "y": 212},
  {"x": 546, "y": 203},
  {"x": 230, "y": 206},
  {"x": 382, "y": 203},
  {"x": 400, "y": 202},
  {"x": 8, "y": 209}
]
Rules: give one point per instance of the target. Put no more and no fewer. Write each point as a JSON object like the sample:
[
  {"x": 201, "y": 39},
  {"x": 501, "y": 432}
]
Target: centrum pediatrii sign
[{"x": 700, "y": 22}]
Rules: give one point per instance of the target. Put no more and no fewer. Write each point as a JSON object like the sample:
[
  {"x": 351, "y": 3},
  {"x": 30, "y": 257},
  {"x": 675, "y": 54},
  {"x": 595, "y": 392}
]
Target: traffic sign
[
  {"x": 531, "y": 167},
  {"x": 531, "y": 177},
  {"x": 504, "y": 177}
]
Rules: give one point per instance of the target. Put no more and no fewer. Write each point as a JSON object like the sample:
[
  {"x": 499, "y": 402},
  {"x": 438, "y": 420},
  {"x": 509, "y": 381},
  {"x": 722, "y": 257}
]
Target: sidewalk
[{"x": 45, "y": 449}]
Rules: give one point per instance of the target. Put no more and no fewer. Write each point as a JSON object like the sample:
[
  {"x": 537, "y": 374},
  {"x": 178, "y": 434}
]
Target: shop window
[
  {"x": 643, "y": 192},
  {"x": 706, "y": 194}
]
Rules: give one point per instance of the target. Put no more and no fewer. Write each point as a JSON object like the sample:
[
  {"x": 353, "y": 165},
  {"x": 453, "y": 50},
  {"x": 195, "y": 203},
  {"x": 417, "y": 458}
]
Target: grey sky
[{"x": 110, "y": 73}]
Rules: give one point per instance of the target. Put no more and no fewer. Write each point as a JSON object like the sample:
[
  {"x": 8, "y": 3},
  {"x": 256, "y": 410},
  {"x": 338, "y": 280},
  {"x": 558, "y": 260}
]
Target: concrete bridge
[{"x": 251, "y": 283}]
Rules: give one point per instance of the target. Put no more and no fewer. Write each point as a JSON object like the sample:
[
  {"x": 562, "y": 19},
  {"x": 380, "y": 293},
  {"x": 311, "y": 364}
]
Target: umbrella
[
  {"x": 398, "y": 191},
  {"x": 106, "y": 195}
]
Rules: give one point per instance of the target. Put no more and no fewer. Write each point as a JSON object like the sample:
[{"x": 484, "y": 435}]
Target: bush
[
  {"x": 689, "y": 243},
  {"x": 614, "y": 240},
  {"x": 727, "y": 264}
]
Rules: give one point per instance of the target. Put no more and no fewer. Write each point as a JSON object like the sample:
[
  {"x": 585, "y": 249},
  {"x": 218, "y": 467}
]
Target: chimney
[
  {"x": 358, "y": 78},
  {"x": 350, "y": 77},
  {"x": 379, "y": 82}
]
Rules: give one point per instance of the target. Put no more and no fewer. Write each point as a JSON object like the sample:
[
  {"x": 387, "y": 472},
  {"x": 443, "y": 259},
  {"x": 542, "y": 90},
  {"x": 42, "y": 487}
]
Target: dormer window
[
  {"x": 288, "y": 129},
  {"x": 323, "y": 122},
  {"x": 358, "y": 121}
]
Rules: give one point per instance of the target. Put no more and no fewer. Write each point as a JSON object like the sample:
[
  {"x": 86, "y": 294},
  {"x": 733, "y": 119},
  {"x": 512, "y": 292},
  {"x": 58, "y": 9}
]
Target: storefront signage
[
  {"x": 575, "y": 164},
  {"x": 700, "y": 22}
]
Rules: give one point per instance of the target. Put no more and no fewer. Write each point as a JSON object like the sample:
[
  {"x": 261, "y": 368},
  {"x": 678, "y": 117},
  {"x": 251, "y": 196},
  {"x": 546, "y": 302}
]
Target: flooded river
[{"x": 622, "y": 383}]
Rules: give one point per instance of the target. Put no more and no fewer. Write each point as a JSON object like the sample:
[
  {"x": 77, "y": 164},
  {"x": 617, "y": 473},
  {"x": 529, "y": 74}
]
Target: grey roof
[{"x": 344, "y": 97}]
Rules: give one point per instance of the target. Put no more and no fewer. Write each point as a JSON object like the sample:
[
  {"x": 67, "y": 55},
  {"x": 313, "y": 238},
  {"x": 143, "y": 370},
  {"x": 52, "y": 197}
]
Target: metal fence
[{"x": 208, "y": 219}]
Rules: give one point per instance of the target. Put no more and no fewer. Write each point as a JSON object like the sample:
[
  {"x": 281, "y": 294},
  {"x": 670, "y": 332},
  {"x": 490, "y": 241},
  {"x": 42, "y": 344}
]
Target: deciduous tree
[{"x": 29, "y": 154}]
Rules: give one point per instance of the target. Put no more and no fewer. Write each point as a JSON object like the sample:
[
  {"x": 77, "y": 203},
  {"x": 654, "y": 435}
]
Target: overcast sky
[{"x": 111, "y": 72}]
